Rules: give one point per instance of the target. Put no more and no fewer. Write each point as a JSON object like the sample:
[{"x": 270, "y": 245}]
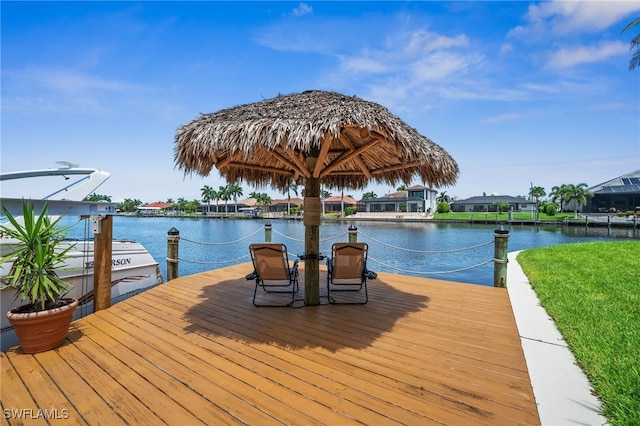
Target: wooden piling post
[
  {"x": 102, "y": 259},
  {"x": 501, "y": 237},
  {"x": 353, "y": 234},
  {"x": 267, "y": 232},
  {"x": 173, "y": 240}
]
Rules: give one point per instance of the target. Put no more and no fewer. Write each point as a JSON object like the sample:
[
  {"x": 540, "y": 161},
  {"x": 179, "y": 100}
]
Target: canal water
[{"x": 437, "y": 250}]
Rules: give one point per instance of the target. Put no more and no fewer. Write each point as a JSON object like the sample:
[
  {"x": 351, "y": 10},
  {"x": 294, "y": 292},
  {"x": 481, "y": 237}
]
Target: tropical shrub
[
  {"x": 443, "y": 207},
  {"x": 348, "y": 211},
  {"x": 551, "y": 209}
]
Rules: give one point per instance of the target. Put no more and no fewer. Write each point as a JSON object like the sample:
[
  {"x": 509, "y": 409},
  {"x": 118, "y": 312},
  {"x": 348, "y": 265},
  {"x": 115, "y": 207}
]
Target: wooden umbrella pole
[{"x": 312, "y": 242}]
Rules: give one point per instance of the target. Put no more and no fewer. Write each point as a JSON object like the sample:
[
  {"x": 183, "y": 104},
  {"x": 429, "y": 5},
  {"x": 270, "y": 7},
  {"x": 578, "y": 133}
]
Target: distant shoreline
[{"x": 589, "y": 221}]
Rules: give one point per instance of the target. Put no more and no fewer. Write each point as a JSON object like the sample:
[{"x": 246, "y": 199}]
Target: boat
[{"x": 133, "y": 268}]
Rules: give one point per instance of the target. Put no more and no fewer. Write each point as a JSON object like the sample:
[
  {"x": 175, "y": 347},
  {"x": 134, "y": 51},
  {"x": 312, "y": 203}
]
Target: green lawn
[
  {"x": 503, "y": 217},
  {"x": 592, "y": 291}
]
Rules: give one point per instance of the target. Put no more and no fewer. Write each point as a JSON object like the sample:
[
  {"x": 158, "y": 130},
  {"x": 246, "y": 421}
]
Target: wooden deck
[{"x": 196, "y": 351}]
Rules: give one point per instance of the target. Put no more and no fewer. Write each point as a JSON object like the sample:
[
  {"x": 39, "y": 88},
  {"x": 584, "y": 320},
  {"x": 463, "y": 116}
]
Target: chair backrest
[
  {"x": 348, "y": 260},
  {"x": 270, "y": 261}
]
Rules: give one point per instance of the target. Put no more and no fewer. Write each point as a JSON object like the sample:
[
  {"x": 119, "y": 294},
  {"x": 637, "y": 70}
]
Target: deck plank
[
  {"x": 89, "y": 405},
  {"x": 394, "y": 369},
  {"x": 196, "y": 350},
  {"x": 15, "y": 395},
  {"x": 50, "y": 403}
]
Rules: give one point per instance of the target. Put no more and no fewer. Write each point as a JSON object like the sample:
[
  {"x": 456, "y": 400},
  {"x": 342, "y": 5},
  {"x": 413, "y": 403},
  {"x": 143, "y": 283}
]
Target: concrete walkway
[{"x": 562, "y": 391}]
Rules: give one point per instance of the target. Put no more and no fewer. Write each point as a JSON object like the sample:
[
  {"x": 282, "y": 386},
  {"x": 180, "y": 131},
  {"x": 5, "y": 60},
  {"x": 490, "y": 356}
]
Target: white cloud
[
  {"x": 302, "y": 9},
  {"x": 506, "y": 48},
  {"x": 591, "y": 16},
  {"x": 63, "y": 90},
  {"x": 415, "y": 57},
  {"x": 363, "y": 65},
  {"x": 422, "y": 41},
  {"x": 570, "y": 56},
  {"x": 73, "y": 81},
  {"x": 566, "y": 17}
]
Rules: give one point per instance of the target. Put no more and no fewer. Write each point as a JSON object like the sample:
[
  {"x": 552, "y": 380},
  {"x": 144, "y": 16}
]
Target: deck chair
[
  {"x": 347, "y": 270},
  {"x": 273, "y": 272}
]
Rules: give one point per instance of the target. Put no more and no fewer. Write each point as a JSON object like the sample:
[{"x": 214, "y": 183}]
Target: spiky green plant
[{"x": 36, "y": 257}]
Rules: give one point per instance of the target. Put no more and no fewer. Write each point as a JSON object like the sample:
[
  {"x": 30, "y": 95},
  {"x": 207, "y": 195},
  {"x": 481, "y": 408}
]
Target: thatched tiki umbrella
[{"x": 314, "y": 137}]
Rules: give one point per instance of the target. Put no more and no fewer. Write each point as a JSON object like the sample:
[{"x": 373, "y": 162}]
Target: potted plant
[{"x": 43, "y": 323}]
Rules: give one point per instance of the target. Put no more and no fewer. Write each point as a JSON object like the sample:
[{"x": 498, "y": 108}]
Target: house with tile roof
[{"x": 335, "y": 203}]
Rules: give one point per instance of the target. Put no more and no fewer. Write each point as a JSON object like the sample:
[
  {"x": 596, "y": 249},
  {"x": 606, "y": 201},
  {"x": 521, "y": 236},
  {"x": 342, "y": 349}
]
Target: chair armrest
[
  {"x": 251, "y": 276},
  {"x": 370, "y": 275}
]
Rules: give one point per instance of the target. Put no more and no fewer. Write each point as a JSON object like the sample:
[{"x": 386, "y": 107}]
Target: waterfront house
[
  {"x": 154, "y": 209},
  {"x": 486, "y": 204},
  {"x": 416, "y": 199},
  {"x": 618, "y": 194},
  {"x": 335, "y": 203}
]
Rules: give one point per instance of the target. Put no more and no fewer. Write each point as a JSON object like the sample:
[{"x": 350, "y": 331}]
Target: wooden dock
[{"x": 196, "y": 351}]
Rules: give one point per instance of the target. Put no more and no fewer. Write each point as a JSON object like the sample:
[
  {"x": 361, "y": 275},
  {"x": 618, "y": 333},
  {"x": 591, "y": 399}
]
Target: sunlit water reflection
[{"x": 430, "y": 249}]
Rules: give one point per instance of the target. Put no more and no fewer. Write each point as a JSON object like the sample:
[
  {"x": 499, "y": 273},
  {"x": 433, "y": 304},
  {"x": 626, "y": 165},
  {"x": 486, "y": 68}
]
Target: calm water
[{"x": 383, "y": 239}]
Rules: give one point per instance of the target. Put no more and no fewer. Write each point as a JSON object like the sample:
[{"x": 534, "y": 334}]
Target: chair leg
[
  {"x": 362, "y": 285},
  {"x": 294, "y": 289}
]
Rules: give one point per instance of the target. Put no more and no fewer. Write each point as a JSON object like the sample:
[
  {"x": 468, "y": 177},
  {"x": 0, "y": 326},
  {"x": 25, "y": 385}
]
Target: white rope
[
  {"x": 178, "y": 260},
  {"x": 335, "y": 237},
  {"x": 426, "y": 251},
  {"x": 321, "y": 240},
  {"x": 429, "y": 273},
  {"x": 221, "y": 244},
  {"x": 286, "y": 236}
]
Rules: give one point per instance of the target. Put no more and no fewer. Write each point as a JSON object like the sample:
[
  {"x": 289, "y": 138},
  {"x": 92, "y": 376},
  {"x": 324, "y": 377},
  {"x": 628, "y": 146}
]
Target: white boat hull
[{"x": 133, "y": 270}]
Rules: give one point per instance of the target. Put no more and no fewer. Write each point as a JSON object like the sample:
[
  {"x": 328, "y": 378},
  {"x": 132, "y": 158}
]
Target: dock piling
[
  {"x": 267, "y": 232},
  {"x": 501, "y": 237},
  {"x": 173, "y": 239},
  {"x": 353, "y": 233}
]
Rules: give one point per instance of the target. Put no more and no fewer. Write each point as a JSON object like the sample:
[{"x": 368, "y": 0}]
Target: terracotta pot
[{"x": 44, "y": 330}]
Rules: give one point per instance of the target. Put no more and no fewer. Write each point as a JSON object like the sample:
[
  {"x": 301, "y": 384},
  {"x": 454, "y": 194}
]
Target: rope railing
[
  {"x": 499, "y": 260},
  {"x": 425, "y": 251},
  {"x": 223, "y": 243},
  {"x": 322, "y": 240},
  {"x": 222, "y": 262},
  {"x": 408, "y": 271}
]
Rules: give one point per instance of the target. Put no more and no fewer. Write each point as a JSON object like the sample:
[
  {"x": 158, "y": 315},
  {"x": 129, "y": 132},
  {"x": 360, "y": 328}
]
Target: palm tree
[
  {"x": 207, "y": 196},
  {"x": 324, "y": 194},
  {"x": 443, "y": 197},
  {"x": 293, "y": 186},
  {"x": 556, "y": 194},
  {"x": 235, "y": 191},
  {"x": 261, "y": 198},
  {"x": 635, "y": 44},
  {"x": 97, "y": 197},
  {"x": 401, "y": 188},
  {"x": 577, "y": 194},
  {"x": 536, "y": 192},
  {"x": 368, "y": 195},
  {"x": 223, "y": 193}
]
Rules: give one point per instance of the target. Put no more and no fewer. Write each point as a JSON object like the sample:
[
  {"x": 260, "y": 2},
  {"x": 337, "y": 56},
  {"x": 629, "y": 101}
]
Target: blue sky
[{"x": 519, "y": 93}]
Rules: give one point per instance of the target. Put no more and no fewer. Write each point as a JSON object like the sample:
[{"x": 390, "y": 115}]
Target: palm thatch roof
[{"x": 277, "y": 140}]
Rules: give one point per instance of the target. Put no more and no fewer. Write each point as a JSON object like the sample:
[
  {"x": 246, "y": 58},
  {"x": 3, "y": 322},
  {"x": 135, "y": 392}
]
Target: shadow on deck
[{"x": 195, "y": 350}]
